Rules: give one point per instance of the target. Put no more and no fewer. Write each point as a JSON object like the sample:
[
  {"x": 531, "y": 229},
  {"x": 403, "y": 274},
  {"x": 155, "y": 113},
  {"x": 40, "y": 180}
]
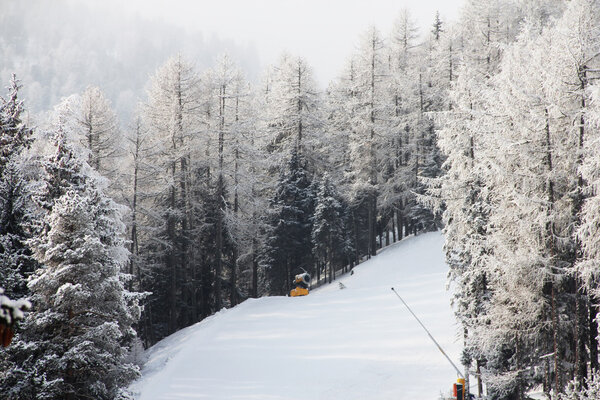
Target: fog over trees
[{"x": 61, "y": 47}]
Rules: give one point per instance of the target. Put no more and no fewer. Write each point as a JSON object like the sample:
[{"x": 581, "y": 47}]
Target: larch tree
[
  {"x": 100, "y": 133},
  {"x": 293, "y": 114},
  {"x": 404, "y": 116},
  {"x": 371, "y": 122},
  {"x": 171, "y": 116}
]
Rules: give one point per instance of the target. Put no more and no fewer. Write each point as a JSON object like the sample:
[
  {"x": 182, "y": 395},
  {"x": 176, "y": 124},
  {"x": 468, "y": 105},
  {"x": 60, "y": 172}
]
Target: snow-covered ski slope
[{"x": 359, "y": 342}]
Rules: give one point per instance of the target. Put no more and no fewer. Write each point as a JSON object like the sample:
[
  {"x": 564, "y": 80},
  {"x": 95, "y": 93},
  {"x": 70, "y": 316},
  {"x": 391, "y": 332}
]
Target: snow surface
[{"x": 359, "y": 342}]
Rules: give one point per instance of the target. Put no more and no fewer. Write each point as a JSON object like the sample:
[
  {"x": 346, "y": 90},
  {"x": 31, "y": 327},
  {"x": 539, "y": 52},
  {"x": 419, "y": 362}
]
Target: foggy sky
[{"x": 325, "y": 32}]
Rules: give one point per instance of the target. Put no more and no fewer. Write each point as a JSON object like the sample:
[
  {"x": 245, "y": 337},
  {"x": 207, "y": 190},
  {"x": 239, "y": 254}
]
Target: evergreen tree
[
  {"x": 437, "y": 29},
  {"x": 288, "y": 248},
  {"x": 75, "y": 341},
  {"x": 15, "y": 138}
]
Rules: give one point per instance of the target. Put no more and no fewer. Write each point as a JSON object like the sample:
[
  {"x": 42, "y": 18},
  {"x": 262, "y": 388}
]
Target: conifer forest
[{"x": 120, "y": 227}]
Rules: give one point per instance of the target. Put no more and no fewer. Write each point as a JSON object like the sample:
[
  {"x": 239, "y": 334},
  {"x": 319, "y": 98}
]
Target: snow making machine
[{"x": 302, "y": 282}]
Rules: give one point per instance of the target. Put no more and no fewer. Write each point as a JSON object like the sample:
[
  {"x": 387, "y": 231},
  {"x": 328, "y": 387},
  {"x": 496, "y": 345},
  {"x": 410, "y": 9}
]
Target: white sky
[{"x": 325, "y": 32}]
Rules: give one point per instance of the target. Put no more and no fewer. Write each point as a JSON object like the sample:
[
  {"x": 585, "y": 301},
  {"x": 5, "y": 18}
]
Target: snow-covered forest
[{"x": 218, "y": 187}]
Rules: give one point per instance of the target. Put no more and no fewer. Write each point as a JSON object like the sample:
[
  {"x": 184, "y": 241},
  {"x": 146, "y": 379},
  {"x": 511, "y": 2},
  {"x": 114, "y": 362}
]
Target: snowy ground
[{"x": 353, "y": 343}]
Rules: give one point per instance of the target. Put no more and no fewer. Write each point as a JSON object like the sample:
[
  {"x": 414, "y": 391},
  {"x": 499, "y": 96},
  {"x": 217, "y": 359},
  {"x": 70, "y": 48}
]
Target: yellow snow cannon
[{"x": 302, "y": 281}]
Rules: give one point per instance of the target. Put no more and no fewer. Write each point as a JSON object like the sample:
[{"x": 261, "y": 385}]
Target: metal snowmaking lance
[{"x": 429, "y": 334}]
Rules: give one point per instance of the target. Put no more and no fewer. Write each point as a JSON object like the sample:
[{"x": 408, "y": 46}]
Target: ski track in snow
[{"x": 354, "y": 343}]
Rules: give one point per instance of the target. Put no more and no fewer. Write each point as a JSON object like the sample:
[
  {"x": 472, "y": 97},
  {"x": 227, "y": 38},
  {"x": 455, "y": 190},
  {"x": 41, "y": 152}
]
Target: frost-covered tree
[
  {"x": 100, "y": 133},
  {"x": 75, "y": 341},
  {"x": 226, "y": 90},
  {"x": 514, "y": 139},
  {"x": 288, "y": 248},
  {"x": 330, "y": 236},
  {"x": 399, "y": 174},
  {"x": 172, "y": 117},
  {"x": 540, "y": 188},
  {"x": 15, "y": 134},
  {"x": 589, "y": 389},
  {"x": 243, "y": 167},
  {"x": 293, "y": 110},
  {"x": 371, "y": 121},
  {"x": 15, "y": 205},
  {"x": 588, "y": 231}
]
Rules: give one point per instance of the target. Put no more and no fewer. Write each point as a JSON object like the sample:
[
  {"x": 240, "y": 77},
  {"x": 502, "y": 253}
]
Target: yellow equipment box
[{"x": 299, "y": 291}]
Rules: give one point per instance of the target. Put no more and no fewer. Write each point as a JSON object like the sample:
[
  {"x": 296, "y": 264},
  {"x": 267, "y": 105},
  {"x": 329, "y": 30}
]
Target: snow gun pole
[{"x": 431, "y": 337}]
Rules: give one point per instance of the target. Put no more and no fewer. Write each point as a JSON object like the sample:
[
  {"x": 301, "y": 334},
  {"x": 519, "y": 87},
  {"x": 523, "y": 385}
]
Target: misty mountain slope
[
  {"x": 353, "y": 343},
  {"x": 96, "y": 43}
]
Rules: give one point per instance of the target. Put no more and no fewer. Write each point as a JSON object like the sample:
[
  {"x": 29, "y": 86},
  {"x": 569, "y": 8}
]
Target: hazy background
[{"x": 58, "y": 47}]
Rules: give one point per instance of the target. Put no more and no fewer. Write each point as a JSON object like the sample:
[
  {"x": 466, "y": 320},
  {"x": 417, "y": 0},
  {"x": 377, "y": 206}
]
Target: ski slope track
[{"x": 359, "y": 342}]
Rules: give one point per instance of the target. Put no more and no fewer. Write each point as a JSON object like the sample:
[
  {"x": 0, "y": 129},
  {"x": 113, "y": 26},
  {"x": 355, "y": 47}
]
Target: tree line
[{"x": 519, "y": 196}]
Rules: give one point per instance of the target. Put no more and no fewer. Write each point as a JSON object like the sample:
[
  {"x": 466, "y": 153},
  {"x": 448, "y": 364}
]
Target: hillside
[{"x": 353, "y": 343}]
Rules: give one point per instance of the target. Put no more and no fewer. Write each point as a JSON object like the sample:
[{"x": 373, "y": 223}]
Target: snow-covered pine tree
[
  {"x": 288, "y": 248},
  {"x": 339, "y": 105},
  {"x": 75, "y": 341},
  {"x": 342, "y": 103},
  {"x": 15, "y": 138},
  {"x": 437, "y": 28},
  {"x": 15, "y": 134}
]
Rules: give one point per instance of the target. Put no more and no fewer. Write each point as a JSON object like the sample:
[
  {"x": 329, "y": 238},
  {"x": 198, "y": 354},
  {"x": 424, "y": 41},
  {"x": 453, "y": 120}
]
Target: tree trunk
[
  {"x": 593, "y": 334},
  {"x": 254, "y": 290},
  {"x": 288, "y": 277},
  {"x": 394, "y": 225},
  {"x": 219, "y": 246},
  {"x": 400, "y": 223},
  {"x": 555, "y": 342},
  {"x": 552, "y": 250},
  {"x": 171, "y": 260},
  {"x": 134, "y": 238},
  {"x": 581, "y": 313},
  {"x": 299, "y": 140},
  {"x": 373, "y": 161},
  {"x": 220, "y": 195},
  {"x": 356, "y": 243},
  {"x": 479, "y": 381}
]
